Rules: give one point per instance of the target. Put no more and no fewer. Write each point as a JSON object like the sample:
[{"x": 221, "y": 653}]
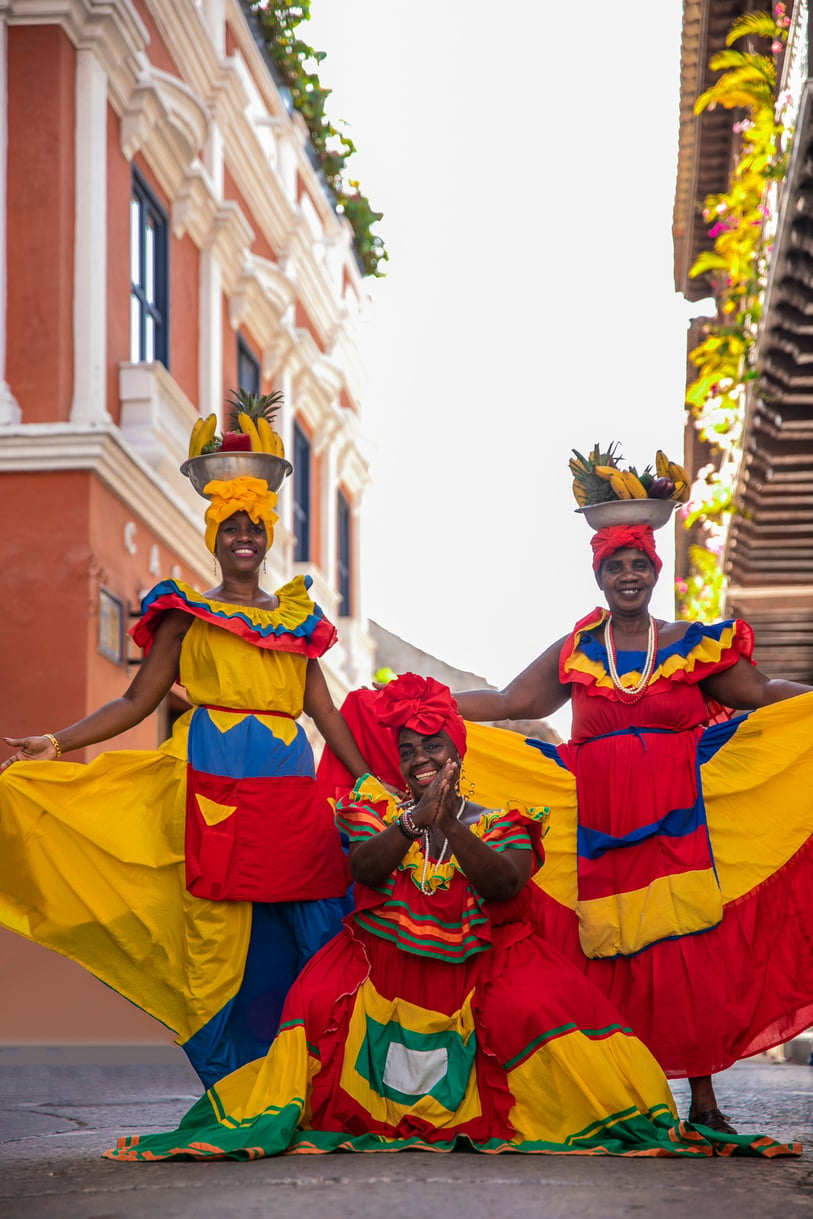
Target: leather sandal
[{"x": 712, "y": 1118}]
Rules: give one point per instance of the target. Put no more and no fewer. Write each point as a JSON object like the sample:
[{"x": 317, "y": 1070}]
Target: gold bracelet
[{"x": 49, "y": 736}]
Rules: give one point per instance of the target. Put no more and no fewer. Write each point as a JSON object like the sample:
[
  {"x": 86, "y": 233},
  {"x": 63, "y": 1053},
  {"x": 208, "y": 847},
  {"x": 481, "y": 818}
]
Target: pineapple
[
  {"x": 249, "y": 425},
  {"x": 589, "y": 485}
]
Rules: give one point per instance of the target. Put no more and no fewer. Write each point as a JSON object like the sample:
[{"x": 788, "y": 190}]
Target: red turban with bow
[
  {"x": 605, "y": 542},
  {"x": 422, "y": 704}
]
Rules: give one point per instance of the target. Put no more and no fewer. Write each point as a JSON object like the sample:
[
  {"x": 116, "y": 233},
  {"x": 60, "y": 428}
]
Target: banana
[
  {"x": 279, "y": 447},
  {"x": 579, "y": 493},
  {"x": 194, "y": 437},
  {"x": 637, "y": 489},
  {"x": 681, "y": 492},
  {"x": 662, "y": 464},
  {"x": 619, "y": 485},
  {"x": 677, "y": 473},
  {"x": 605, "y": 472},
  {"x": 249, "y": 428},
  {"x": 203, "y": 431},
  {"x": 270, "y": 440}
]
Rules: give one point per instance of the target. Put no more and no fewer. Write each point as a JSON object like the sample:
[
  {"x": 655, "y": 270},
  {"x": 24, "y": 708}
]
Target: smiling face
[
  {"x": 421, "y": 757},
  {"x": 241, "y": 543},
  {"x": 627, "y": 579}
]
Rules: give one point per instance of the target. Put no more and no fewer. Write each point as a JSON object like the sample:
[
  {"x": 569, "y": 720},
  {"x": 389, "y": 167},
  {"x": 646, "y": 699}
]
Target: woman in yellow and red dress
[
  {"x": 196, "y": 879},
  {"x": 438, "y": 1017},
  {"x": 680, "y": 858}
]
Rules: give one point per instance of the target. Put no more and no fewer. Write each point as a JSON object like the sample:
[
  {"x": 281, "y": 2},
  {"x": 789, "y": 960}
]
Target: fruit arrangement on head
[
  {"x": 599, "y": 478},
  {"x": 248, "y": 446},
  {"x": 249, "y": 427},
  {"x": 607, "y": 493}
]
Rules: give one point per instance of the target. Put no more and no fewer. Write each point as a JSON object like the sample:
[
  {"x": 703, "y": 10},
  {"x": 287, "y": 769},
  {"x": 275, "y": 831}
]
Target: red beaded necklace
[{"x": 631, "y": 694}]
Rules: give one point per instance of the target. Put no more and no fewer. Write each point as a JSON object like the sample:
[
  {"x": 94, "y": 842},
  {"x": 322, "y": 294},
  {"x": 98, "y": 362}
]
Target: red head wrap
[
  {"x": 422, "y": 704},
  {"x": 605, "y": 542}
]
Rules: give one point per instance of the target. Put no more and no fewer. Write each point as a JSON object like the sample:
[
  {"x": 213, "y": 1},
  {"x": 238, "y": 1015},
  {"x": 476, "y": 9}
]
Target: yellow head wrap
[{"x": 243, "y": 494}]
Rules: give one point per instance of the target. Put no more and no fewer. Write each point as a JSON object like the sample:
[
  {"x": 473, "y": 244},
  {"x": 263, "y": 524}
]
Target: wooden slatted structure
[{"x": 769, "y": 554}]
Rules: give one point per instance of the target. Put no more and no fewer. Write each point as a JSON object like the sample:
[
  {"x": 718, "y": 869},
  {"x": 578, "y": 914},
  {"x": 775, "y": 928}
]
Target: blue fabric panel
[
  {"x": 592, "y": 844},
  {"x": 550, "y": 751},
  {"x": 718, "y": 735},
  {"x": 249, "y": 750},
  {"x": 284, "y": 936}
]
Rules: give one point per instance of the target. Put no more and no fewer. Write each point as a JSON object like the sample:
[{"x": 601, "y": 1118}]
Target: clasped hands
[{"x": 439, "y": 805}]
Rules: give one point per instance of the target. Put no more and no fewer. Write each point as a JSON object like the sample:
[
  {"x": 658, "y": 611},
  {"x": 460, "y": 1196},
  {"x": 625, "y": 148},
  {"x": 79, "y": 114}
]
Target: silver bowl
[
  {"x": 654, "y": 512},
  {"x": 240, "y": 464}
]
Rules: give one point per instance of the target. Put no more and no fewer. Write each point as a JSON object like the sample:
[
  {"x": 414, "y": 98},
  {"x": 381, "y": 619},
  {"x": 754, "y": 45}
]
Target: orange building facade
[{"x": 164, "y": 239}]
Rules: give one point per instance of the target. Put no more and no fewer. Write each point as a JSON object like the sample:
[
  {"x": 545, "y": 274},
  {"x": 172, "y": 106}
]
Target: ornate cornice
[
  {"x": 168, "y": 123},
  {"x": 46, "y": 447},
  {"x": 111, "y": 28}
]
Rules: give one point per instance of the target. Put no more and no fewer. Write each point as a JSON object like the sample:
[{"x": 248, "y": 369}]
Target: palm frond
[
  {"x": 707, "y": 261},
  {"x": 761, "y": 25},
  {"x": 750, "y": 66}
]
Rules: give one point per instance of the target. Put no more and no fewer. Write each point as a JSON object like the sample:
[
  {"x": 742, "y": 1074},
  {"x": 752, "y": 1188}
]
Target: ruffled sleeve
[
  {"x": 297, "y": 625},
  {"x": 516, "y": 827},
  {"x": 702, "y": 651},
  {"x": 366, "y": 810}
]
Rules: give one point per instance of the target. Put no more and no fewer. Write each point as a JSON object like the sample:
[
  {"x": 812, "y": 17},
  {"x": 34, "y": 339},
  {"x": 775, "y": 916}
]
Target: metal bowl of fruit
[
  {"x": 236, "y": 464},
  {"x": 653, "y": 512}
]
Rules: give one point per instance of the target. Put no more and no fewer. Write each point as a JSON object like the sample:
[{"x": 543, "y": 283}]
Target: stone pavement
[{"x": 60, "y": 1108}]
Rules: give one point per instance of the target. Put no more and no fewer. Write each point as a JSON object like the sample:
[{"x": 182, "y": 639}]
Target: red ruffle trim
[{"x": 313, "y": 641}]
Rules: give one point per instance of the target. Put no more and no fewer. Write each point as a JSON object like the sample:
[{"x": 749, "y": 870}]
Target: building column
[
  {"x": 9, "y": 409},
  {"x": 210, "y": 350},
  {"x": 90, "y": 244},
  {"x": 214, "y": 16}
]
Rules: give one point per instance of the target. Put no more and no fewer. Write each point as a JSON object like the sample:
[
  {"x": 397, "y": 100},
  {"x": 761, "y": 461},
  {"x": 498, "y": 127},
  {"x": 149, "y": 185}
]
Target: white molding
[
  {"x": 210, "y": 335},
  {"x": 9, "y": 407},
  {"x": 112, "y": 29},
  {"x": 90, "y": 245},
  {"x": 261, "y": 295},
  {"x": 185, "y": 30},
  {"x": 168, "y": 123},
  {"x": 100, "y": 450},
  {"x": 156, "y": 419},
  {"x": 229, "y": 239}
]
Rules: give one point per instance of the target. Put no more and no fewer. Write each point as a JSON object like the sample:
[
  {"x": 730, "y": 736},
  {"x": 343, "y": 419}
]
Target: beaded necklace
[
  {"x": 631, "y": 694},
  {"x": 425, "y": 888}
]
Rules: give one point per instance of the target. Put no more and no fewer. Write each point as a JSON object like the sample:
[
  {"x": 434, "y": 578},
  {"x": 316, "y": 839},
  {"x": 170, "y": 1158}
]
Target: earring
[
  {"x": 470, "y": 786},
  {"x": 214, "y": 565},
  {"x": 265, "y": 569}
]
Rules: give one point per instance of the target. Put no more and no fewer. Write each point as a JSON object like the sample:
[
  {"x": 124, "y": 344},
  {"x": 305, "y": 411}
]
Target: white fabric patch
[{"x": 414, "y": 1071}]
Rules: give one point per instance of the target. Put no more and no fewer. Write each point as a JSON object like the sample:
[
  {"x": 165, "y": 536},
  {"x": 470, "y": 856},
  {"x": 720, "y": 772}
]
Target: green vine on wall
[
  {"x": 296, "y": 64},
  {"x": 737, "y": 267}
]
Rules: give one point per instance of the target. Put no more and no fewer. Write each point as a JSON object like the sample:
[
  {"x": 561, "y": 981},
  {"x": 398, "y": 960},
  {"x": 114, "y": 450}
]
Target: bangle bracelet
[
  {"x": 408, "y": 827},
  {"x": 49, "y": 736}
]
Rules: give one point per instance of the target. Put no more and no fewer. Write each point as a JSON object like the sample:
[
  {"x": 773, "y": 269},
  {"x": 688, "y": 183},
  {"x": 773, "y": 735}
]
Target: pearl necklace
[
  {"x": 631, "y": 694},
  {"x": 427, "y": 888}
]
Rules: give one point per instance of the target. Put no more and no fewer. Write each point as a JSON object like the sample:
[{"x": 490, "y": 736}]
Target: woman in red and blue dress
[{"x": 680, "y": 858}]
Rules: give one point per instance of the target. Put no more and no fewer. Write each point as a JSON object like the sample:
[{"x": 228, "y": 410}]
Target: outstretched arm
[
  {"x": 744, "y": 688},
  {"x": 532, "y": 695},
  {"x": 150, "y": 685}
]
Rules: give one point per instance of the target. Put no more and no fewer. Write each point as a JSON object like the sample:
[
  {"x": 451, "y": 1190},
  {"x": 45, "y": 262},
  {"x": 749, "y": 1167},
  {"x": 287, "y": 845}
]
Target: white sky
[{"x": 525, "y": 163}]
